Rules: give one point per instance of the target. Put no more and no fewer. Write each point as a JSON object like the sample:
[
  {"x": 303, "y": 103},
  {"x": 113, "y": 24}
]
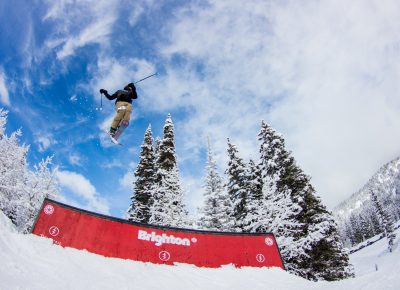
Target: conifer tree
[
  {"x": 167, "y": 207},
  {"x": 385, "y": 221},
  {"x": 3, "y": 121},
  {"x": 236, "y": 187},
  {"x": 356, "y": 228},
  {"x": 139, "y": 210},
  {"x": 254, "y": 197},
  {"x": 22, "y": 191},
  {"x": 216, "y": 211},
  {"x": 13, "y": 176},
  {"x": 157, "y": 144},
  {"x": 41, "y": 184},
  {"x": 280, "y": 207},
  {"x": 316, "y": 253},
  {"x": 328, "y": 260}
]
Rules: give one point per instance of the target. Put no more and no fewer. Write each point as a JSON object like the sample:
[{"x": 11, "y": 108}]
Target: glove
[{"x": 103, "y": 91}]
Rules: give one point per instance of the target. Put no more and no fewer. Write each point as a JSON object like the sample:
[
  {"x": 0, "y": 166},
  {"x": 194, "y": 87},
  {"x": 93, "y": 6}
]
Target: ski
[
  {"x": 115, "y": 141},
  {"x": 112, "y": 139}
]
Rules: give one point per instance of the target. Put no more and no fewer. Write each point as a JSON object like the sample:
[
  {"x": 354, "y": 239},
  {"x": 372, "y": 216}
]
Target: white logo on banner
[
  {"x": 260, "y": 258},
  {"x": 49, "y": 209},
  {"x": 269, "y": 241},
  {"x": 159, "y": 240},
  {"x": 164, "y": 256},
  {"x": 54, "y": 231}
]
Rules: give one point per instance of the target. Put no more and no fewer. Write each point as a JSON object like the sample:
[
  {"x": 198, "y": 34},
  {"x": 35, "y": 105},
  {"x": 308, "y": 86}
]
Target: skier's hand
[{"x": 103, "y": 91}]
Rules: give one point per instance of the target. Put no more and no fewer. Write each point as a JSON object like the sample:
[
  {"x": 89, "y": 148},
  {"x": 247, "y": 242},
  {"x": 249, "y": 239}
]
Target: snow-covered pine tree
[
  {"x": 280, "y": 209},
  {"x": 157, "y": 144},
  {"x": 41, "y": 184},
  {"x": 22, "y": 190},
  {"x": 139, "y": 210},
  {"x": 3, "y": 121},
  {"x": 357, "y": 230},
  {"x": 254, "y": 197},
  {"x": 318, "y": 251},
  {"x": 216, "y": 211},
  {"x": 236, "y": 187},
  {"x": 13, "y": 174},
  {"x": 385, "y": 219},
  {"x": 168, "y": 208},
  {"x": 346, "y": 234},
  {"x": 328, "y": 259},
  {"x": 367, "y": 225}
]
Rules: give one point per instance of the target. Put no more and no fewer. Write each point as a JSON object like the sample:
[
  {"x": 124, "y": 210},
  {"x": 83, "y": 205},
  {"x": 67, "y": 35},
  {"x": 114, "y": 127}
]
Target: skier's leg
[
  {"x": 120, "y": 109},
  {"x": 124, "y": 111},
  {"x": 127, "y": 114}
]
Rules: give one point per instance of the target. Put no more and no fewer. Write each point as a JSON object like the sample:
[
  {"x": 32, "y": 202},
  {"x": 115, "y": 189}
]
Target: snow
[{"x": 32, "y": 262}]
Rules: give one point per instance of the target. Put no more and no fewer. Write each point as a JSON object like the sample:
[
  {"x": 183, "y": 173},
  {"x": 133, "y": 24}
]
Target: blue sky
[{"x": 323, "y": 73}]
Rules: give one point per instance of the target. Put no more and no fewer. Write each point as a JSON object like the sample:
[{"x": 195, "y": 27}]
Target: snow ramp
[{"x": 72, "y": 227}]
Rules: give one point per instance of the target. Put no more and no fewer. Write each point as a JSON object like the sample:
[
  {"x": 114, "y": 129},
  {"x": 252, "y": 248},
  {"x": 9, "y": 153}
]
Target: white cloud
[
  {"x": 139, "y": 8},
  {"x": 4, "y": 95},
  {"x": 325, "y": 74},
  {"x": 44, "y": 141},
  {"x": 83, "y": 188},
  {"x": 113, "y": 74},
  {"x": 75, "y": 159},
  {"x": 97, "y": 32},
  {"x": 98, "y": 18},
  {"x": 126, "y": 182}
]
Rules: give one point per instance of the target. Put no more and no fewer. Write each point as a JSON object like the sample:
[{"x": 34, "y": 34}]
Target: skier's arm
[
  {"x": 133, "y": 90},
  {"x": 103, "y": 91},
  {"x": 134, "y": 94}
]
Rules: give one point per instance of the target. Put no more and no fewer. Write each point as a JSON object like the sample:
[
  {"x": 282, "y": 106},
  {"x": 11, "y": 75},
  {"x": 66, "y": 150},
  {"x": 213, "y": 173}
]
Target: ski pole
[
  {"x": 101, "y": 101},
  {"x": 145, "y": 78}
]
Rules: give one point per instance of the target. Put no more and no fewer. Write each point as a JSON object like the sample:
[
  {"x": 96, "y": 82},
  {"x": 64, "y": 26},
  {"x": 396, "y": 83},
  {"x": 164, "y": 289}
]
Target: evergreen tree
[
  {"x": 22, "y": 191},
  {"x": 348, "y": 234},
  {"x": 167, "y": 207},
  {"x": 41, "y": 184},
  {"x": 3, "y": 122},
  {"x": 13, "y": 176},
  {"x": 357, "y": 231},
  {"x": 385, "y": 220},
  {"x": 216, "y": 211},
  {"x": 254, "y": 197},
  {"x": 281, "y": 208},
  {"x": 316, "y": 252},
  {"x": 328, "y": 260},
  {"x": 236, "y": 187},
  {"x": 157, "y": 148},
  {"x": 366, "y": 225},
  {"x": 374, "y": 220},
  {"x": 139, "y": 210}
]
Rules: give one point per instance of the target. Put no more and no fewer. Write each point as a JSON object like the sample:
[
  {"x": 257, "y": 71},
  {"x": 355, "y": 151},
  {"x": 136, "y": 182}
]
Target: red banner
[{"x": 112, "y": 237}]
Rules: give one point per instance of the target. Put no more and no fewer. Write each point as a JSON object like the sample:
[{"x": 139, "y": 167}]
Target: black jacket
[{"x": 122, "y": 96}]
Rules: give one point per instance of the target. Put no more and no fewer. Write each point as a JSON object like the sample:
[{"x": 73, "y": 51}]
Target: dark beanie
[{"x": 130, "y": 85}]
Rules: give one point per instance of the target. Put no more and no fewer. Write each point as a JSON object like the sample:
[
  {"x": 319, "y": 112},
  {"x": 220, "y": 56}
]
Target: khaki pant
[{"x": 124, "y": 110}]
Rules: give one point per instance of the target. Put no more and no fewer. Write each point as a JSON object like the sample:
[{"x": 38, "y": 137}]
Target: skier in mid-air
[{"x": 123, "y": 107}]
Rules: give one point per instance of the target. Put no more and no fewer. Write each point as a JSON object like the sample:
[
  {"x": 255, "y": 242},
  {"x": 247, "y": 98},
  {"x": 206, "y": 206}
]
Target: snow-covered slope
[
  {"x": 31, "y": 262},
  {"x": 385, "y": 183}
]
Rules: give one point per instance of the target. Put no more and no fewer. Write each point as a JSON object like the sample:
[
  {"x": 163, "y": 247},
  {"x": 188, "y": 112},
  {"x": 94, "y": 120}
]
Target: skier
[{"x": 123, "y": 107}]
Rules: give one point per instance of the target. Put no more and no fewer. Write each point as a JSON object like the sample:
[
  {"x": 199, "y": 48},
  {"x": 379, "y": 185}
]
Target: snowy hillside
[
  {"x": 386, "y": 183},
  {"x": 31, "y": 262}
]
